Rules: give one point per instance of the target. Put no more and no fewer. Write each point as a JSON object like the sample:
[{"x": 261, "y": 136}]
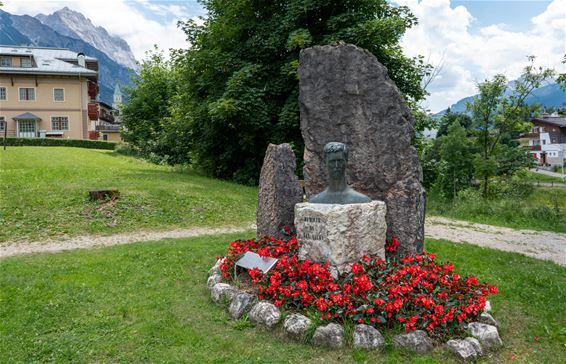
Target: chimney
[{"x": 81, "y": 59}]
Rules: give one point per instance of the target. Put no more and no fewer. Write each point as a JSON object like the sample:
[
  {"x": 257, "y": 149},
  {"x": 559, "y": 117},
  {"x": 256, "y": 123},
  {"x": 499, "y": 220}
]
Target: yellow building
[{"x": 47, "y": 92}]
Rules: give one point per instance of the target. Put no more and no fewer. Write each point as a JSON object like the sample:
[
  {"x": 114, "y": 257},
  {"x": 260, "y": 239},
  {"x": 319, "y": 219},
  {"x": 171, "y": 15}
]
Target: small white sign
[{"x": 252, "y": 260}]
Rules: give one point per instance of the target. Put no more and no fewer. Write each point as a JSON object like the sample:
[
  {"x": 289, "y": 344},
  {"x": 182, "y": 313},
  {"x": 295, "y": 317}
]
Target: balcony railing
[
  {"x": 107, "y": 127},
  {"x": 535, "y": 147},
  {"x": 106, "y": 116}
]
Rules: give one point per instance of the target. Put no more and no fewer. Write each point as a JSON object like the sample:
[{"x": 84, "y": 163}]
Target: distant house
[
  {"x": 108, "y": 125},
  {"x": 547, "y": 140},
  {"x": 48, "y": 93}
]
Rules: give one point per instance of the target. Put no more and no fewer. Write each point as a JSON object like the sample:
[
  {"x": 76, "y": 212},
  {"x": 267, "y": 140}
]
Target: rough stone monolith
[
  {"x": 279, "y": 191},
  {"x": 346, "y": 96}
]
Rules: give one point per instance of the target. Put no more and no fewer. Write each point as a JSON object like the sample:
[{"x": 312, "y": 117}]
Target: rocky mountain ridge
[{"x": 74, "y": 24}]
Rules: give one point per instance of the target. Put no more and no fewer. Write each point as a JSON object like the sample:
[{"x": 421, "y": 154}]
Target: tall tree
[
  {"x": 450, "y": 118},
  {"x": 562, "y": 76},
  {"x": 146, "y": 116},
  {"x": 456, "y": 152},
  {"x": 239, "y": 86},
  {"x": 500, "y": 110}
]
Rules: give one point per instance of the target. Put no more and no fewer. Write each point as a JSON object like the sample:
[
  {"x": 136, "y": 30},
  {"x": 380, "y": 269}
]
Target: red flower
[
  {"x": 412, "y": 292},
  {"x": 392, "y": 246},
  {"x": 357, "y": 268}
]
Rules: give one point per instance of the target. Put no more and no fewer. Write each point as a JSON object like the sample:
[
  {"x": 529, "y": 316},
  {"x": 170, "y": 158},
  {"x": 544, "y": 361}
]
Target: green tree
[
  {"x": 456, "y": 152},
  {"x": 562, "y": 76},
  {"x": 500, "y": 110},
  {"x": 146, "y": 116},
  {"x": 238, "y": 87},
  {"x": 449, "y": 118}
]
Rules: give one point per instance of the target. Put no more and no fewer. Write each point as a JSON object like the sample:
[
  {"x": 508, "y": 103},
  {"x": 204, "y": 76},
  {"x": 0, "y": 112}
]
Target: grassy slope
[
  {"x": 147, "y": 303},
  {"x": 545, "y": 209},
  {"x": 45, "y": 193}
]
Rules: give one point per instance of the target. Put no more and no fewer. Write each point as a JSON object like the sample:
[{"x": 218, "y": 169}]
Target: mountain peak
[{"x": 74, "y": 24}]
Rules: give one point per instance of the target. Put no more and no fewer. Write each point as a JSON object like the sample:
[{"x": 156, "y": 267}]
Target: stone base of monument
[{"x": 340, "y": 234}]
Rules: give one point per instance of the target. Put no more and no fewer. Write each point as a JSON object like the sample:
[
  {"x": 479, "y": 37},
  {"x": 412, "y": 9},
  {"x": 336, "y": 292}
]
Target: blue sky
[
  {"x": 514, "y": 15},
  {"x": 471, "y": 39}
]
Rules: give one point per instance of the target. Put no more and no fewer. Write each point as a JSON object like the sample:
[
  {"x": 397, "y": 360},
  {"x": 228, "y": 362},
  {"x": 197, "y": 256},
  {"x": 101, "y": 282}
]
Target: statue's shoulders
[
  {"x": 357, "y": 197},
  {"x": 318, "y": 198}
]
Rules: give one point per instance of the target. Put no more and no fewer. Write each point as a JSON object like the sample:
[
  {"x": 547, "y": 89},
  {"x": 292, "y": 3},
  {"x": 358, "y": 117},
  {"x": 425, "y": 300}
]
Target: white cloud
[
  {"x": 444, "y": 33},
  {"x": 123, "y": 18}
]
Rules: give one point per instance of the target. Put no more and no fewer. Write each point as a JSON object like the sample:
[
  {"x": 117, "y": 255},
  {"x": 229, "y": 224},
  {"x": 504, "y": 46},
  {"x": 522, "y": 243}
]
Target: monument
[
  {"x": 279, "y": 191},
  {"x": 347, "y": 95},
  {"x": 340, "y": 225}
]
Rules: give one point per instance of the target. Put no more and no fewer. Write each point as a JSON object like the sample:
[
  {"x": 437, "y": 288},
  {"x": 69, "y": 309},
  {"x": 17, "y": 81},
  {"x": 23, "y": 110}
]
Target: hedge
[{"x": 51, "y": 142}]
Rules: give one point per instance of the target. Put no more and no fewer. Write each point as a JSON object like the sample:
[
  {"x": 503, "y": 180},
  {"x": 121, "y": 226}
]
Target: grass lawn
[
  {"x": 545, "y": 209},
  {"x": 538, "y": 177},
  {"x": 45, "y": 194},
  {"x": 147, "y": 302}
]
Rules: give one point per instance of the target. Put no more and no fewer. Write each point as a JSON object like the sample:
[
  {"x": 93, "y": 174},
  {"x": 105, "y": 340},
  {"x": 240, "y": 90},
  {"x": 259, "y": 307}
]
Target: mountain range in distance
[
  {"x": 66, "y": 28},
  {"x": 550, "y": 95}
]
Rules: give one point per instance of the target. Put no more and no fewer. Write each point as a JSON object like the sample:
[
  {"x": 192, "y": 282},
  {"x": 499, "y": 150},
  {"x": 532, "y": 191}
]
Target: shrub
[
  {"x": 414, "y": 292},
  {"x": 51, "y": 142}
]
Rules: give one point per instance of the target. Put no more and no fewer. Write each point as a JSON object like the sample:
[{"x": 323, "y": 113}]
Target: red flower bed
[{"x": 415, "y": 292}]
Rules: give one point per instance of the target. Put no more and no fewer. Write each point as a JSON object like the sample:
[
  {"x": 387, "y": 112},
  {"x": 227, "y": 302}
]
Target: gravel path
[
  {"x": 90, "y": 241},
  {"x": 537, "y": 244}
]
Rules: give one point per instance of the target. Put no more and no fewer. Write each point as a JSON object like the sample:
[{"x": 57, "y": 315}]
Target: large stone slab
[
  {"x": 340, "y": 234},
  {"x": 279, "y": 191},
  {"x": 346, "y": 96}
]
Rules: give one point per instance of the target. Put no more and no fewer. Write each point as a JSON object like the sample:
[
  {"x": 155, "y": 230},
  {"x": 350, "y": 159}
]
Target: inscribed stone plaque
[
  {"x": 252, "y": 260},
  {"x": 340, "y": 234}
]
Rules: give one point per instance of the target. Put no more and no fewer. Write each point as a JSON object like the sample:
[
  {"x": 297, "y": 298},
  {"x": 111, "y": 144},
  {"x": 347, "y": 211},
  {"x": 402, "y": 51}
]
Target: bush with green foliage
[
  {"x": 52, "y": 142},
  {"x": 499, "y": 115},
  {"x": 238, "y": 85},
  {"x": 147, "y": 116}
]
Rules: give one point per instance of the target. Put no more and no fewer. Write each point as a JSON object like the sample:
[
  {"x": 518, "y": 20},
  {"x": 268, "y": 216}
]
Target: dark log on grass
[{"x": 104, "y": 195}]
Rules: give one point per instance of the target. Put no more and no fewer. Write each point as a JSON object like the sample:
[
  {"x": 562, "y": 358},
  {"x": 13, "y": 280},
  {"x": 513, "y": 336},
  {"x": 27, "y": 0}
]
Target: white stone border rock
[{"x": 266, "y": 315}]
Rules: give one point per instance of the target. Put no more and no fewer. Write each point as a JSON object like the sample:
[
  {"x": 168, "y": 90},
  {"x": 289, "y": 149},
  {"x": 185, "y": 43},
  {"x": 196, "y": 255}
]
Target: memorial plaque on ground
[{"x": 252, "y": 260}]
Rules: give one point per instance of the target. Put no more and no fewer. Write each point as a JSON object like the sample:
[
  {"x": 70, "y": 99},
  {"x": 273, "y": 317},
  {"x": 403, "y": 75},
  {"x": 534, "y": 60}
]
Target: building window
[
  {"x": 2, "y": 123},
  {"x": 3, "y": 94},
  {"x": 26, "y": 126},
  {"x": 5, "y": 62},
  {"x": 27, "y": 94},
  {"x": 58, "y": 94},
  {"x": 544, "y": 141},
  {"x": 25, "y": 62},
  {"x": 59, "y": 123}
]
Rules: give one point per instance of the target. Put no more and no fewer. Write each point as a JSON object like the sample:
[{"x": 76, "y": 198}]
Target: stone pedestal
[{"x": 340, "y": 234}]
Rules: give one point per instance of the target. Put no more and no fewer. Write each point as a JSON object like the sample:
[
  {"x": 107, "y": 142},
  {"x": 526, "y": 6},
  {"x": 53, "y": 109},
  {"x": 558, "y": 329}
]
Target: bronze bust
[{"x": 338, "y": 191}]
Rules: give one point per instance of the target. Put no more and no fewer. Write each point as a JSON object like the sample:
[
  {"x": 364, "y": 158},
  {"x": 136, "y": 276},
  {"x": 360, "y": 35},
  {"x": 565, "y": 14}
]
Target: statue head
[
  {"x": 338, "y": 191},
  {"x": 336, "y": 158}
]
